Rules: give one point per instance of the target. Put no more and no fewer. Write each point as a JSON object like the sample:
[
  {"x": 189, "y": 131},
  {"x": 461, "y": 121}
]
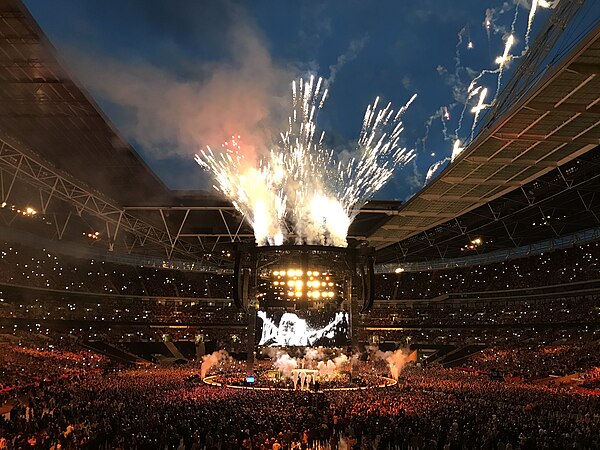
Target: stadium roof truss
[
  {"x": 16, "y": 164},
  {"x": 190, "y": 232}
]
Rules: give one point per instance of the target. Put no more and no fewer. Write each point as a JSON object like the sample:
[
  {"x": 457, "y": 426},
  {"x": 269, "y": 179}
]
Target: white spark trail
[
  {"x": 534, "y": 6},
  {"x": 471, "y": 92},
  {"x": 477, "y": 109},
  {"x": 433, "y": 169},
  {"x": 456, "y": 150},
  {"x": 502, "y": 60}
]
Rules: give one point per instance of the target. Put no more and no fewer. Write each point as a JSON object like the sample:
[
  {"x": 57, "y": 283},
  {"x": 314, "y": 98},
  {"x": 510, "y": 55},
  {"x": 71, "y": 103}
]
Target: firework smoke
[
  {"x": 282, "y": 361},
  {"x": 355, "y": 47},
  {"x": 395, "y": 360},
  {"x": 313, "y": 358},
  {"x": 285, "y": 364},
  {"x": 328, "y": 368},
  {"x": 172, "y": 116},
  {"x": 209, "y": 361},
  {"x": 299, "y": 189},
  {"x": 313, "y": 353}
]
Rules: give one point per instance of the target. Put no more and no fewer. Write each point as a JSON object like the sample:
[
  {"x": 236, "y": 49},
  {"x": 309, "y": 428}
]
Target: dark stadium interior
[{"x": 115, "y": 291}]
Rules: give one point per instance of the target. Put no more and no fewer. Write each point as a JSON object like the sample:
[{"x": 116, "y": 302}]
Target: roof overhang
[{"x": 558, "y": 120}]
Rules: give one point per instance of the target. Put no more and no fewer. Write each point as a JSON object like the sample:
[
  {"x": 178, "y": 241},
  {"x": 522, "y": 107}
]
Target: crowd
[
  {"x": 576, "y": 264},
  {"x": 61, "y": 396},
  {"x": 48, "y": 305},
  {"x": 525, "y": 352},
  {"x": 591, "y": 378},
  {"x": 535, "y": 360},
  {"x": 34, "y": 267},
  {"x": 183, "y": 297},
  {"x": 579, "y": 309},
  {"x": 430, "y": 408},
  {"x": 37, "y": 361},
  {"x": 26, "y": 266}
]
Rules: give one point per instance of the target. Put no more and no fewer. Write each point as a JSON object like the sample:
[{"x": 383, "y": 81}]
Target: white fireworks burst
[{"x": 299, "y": 190}]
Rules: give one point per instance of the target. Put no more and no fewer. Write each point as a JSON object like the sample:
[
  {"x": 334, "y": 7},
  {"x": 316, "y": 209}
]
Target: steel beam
[{"x": 30, "y": 168}]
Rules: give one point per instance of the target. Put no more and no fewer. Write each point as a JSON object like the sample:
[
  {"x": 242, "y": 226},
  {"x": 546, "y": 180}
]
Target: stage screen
[{"x": 302, "y": 328}]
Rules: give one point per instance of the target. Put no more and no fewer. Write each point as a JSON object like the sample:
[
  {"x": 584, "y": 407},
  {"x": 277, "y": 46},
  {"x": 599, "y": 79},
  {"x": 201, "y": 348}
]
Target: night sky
[{"x": 175, "y": 76}]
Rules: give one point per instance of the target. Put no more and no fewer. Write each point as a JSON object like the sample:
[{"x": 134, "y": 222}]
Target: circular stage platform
[{"x": 379, "y": 382}]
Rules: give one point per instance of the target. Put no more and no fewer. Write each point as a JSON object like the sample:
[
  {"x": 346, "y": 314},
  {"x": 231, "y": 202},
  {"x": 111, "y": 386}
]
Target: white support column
[
  {"x": 60, "y": 229},
  {"x": 44, "y": 203}
]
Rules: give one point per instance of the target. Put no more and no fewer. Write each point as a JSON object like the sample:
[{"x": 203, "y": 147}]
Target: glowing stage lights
[{"x": 294, "y": 284}]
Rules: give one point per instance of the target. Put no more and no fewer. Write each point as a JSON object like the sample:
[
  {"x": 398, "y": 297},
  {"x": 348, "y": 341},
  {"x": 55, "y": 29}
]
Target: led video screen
[{"x": 302, "y": 328}]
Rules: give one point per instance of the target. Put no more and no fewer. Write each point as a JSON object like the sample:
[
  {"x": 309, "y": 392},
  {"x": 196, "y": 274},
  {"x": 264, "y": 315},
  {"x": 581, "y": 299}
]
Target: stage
[{"x": 379, "y": 382}]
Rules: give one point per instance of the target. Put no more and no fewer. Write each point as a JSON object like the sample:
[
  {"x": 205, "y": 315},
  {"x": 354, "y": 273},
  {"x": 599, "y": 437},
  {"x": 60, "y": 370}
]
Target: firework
[
  {"x": 434, "y": 168},
  {"x": 253, "y": 191},
  {"x": 445, "y": 113},
  {"x": 534, "y": 5},
  {"x": 474, "y": 89},
  {"x": 501, "y": 60},
  {"x": 299, "y": 190},
  {"x": 477, "y": 109},
  {"x": 456, "y": 150}
]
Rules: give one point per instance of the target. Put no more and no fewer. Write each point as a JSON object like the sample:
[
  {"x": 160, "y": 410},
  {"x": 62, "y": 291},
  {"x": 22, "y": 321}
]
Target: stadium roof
[
  {"x": 556, "y": 122},
  {"x": 44, "y": 110},
  {"x": 558, "y": 204}
]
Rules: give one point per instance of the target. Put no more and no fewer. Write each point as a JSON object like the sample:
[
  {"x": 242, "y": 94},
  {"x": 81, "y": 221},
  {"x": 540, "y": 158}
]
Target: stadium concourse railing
[{"x": 579, "y": 238}]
